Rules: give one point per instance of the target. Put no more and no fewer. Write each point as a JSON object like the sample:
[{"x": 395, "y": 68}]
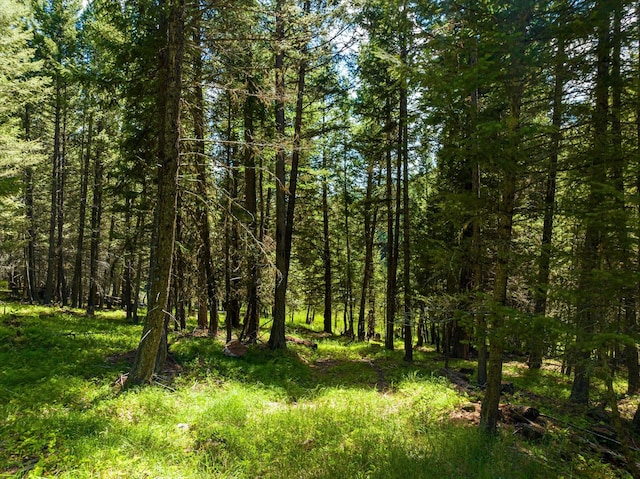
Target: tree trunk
[
  {"x": 76, "y": 282},
  {"x": 138, "y": 278},
  {"x": 536, "y": 346},
  {"x": 326, "y": 244},
  {"x": 232, "y": 261},
  {"x": 589, "y": 309},
  {"x": 55, "y": 184},
  {"x": 171, "y": 55},
  {"x": 391, "y": 252},
  {"x": 285, "y": 209},
  {"x": 252, "y": 317},
  {"x": 506, "y": 206},
  {"x": 96, "y": 219},
  {"x": 348, "y": 304},
  {"x": 631, "y": 351},
  {"x": 61, "y": 282},
  {"x": 207, "y": 296},
  {"x": 178, "y": 277},
  {"x": 369, "y": 232},
  {"x": 31, "y": 280},
  {"x": 403, "y": 131},
  {"x": 476, "y": 249}
]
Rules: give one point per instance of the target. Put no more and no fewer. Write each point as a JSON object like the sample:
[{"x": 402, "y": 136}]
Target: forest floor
[{"x": 341, "y": 409}]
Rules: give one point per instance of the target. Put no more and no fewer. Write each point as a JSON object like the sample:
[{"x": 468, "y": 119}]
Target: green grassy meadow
[{"x": 344, "y": 410}]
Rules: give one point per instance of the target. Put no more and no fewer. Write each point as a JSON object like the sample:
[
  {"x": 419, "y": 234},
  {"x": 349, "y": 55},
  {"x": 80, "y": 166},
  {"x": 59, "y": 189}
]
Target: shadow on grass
[{"x": 300, "y": 371}]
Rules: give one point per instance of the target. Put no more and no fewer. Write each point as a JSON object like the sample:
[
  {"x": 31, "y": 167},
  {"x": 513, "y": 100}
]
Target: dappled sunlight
[{"x": 343, "y": 409}]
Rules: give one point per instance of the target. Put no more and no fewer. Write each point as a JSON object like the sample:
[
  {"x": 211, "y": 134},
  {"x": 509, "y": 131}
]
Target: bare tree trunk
[
  {"x": 178, "y": 278},
  {"x": 76, "y": 282},
  {"x": 285, "y": 208},
  {"x": 61, "y": 281},
  {"x": 31, "y": 280},
  {"x": 369, "y": 232},
  {"x": 252, "y": 317},
  {"x": 232, "y": 261},
  {"x": 207, "y": 296},
  {"x": 348, "y": 304},
  {"x": 403, "y": 131},
  {"x": 169, "y": 95},
  {"x": 55, "y": 184},
  {"x": 96, "y": 219},
  {"x": 276, "y": 338},
  {"x": 391, "y": 251},
  {"x": 326, "y": 244},
  {"x": 138, "y": 278}
]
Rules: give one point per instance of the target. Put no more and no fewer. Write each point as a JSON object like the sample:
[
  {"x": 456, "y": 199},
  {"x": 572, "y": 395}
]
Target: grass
[{"x": 342, "y": 410}]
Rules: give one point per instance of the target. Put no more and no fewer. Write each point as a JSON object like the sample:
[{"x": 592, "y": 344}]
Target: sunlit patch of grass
[{"x": 299, "y": 413}]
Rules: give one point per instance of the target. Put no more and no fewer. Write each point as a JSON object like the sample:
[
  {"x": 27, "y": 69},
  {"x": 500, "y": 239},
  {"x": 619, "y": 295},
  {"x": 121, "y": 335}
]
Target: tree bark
[
  {"x": 96, "y": 219},
  {"x": 232, "y": 261},
  {"x": 252, "y": 317},
  {"x": 631, "y": 351},
  {"x": 536, "y": 347},
  {"x": 506, "y": 206},
  {"x": 391, "y": 251},
  {"x": 207, "y": 296},
  {"x": 588, "y": 311},
  {"x": 76, "y": 282},
  {"x": 285, "y": 208},
  {"x": 349, "y": 286},
  {"x": 61, "y": 281},
  {"x": 369, "y": 232},
  {"x": 169, "y": 96},
  {"x": 326, "y": 244},
  {"x": 55, "y": 184},
  {"x": 406, "y": 250},
  {"x": 31, "y": 280}
]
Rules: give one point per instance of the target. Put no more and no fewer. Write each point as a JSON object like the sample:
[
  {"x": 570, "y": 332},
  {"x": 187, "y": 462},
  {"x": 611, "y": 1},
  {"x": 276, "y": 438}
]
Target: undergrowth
[{"x": 351, "y": 410}]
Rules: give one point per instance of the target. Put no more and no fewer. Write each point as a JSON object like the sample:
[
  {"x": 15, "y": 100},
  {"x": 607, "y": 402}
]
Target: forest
[{"x": 434, "y": 202}]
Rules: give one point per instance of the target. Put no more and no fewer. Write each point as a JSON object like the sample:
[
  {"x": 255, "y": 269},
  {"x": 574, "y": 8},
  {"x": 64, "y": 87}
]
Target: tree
[
  {"x": 149, "y": 355},
  {"x": 286, "y": 199},
  {"x": 21, "y": 87}
]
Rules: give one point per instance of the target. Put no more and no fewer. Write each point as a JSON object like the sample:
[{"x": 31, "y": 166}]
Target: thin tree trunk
[
  {"x": 369, "y": 232},
  {"x": 76, "y": 282},
  {"x": 491, "y": 400},
  {"x": 178, "y": 278},
  {"x": 326, "y": 243},
  {"x": 588, "y": 308},
  {"x": 169, "y": 95},
  {"x": 631, "y": 352},
  {"x": 406, "y": 251},
  {"x": 536, "y": 348},
  {"x": 55, "y": 184},
  {"x": 349, "y": 286},
  {"x": 61, "y": 281},
  {"x": 31, "y": 280},
  {"x": 232, "y": 261},
  {"x": 277, "y": 336},
  {"x": 391, "y": 257},
  {"x": 138, "y": 279},
  {"x": 252, "y": 317},
  {"x": 628, "y": 291},
  {"x": 207, "y": 296},
  {"x": 96, "y": 219},
  {"x": 285, "y": 209}
]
